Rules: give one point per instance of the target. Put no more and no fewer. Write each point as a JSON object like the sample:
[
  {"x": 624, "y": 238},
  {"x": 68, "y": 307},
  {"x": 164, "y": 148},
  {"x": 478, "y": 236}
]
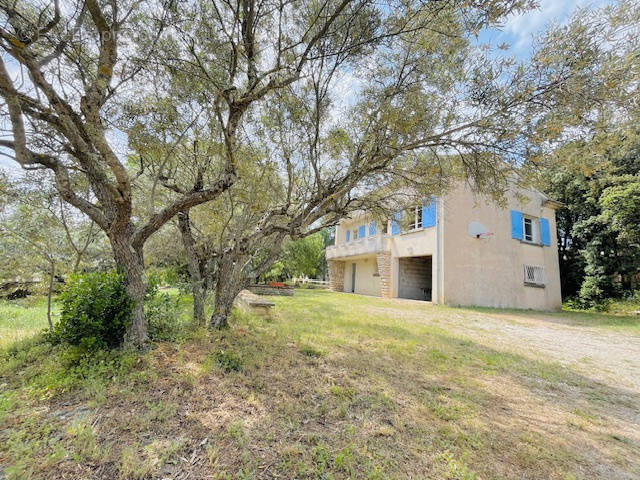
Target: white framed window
[
  {"x": 415, "y": 218},
  {"x": 530, "y": 229},
  {"x": 534, "y": 276}
]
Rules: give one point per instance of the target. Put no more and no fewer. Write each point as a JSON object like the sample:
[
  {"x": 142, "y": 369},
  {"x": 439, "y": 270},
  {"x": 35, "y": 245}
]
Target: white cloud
[{"x": 520, "y": 29}]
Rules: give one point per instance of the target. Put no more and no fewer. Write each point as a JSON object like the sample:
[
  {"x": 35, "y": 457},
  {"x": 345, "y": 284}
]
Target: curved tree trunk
[
  {"x": 131, "y": 262},
  {"x": 195, "y": 265},
  {"x": 229, "y": 282},
  {"x": 232, "y": 275}
]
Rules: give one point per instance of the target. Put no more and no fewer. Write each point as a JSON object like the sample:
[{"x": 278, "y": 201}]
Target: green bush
[
  {"x": 96, "y": 311},
  {"x": 162, "y": 312},
  {"x": 165, "y": 276},
  {"x": 228, "y": 361},
  {"x": 577, "y": 303},
  {"x": 169, "y": 276}
]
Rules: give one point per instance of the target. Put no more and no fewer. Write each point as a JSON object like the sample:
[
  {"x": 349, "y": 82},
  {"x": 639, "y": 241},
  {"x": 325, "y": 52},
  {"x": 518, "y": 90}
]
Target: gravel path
[
  {"x": 606, "y": 355},
  {"x": 603, "y": 354}
]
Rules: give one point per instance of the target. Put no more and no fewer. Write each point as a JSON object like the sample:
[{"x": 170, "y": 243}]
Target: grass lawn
[
  {"x": 334, "y": 386},
  {"x": 622, "y": 314},
  {"x": 22, "y": 319}
]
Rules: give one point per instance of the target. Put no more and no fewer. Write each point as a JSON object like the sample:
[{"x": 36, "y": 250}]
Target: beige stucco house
[{"x": 458, "y": 249}]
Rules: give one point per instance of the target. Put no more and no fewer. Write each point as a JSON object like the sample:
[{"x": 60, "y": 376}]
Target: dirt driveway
[{"x": 605, "y": 354}]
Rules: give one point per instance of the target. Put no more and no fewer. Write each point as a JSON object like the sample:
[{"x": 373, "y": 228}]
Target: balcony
[{"x": 362, "y": 246}]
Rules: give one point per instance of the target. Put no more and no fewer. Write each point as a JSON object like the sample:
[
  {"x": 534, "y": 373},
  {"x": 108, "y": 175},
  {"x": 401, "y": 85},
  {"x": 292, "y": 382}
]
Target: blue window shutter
[
  {"x": 516, "y": 224},
  {"x": 348, "y": 236},
  {"x": 545, "y": 234},
  {"x": 429, "y": 213},
  {"x": 395, "y": 226},
  {"x": 372, "y": 228},
  {"x": 362, "y": 231}
]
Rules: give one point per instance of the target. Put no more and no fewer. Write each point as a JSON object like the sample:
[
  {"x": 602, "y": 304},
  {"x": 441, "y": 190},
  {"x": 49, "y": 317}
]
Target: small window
[
  {"x": 415, "y": 218},
  {"x": 529, "y": 229},
  {"x": 355, "y": 234},
  {"x": 534, "y": 276}
]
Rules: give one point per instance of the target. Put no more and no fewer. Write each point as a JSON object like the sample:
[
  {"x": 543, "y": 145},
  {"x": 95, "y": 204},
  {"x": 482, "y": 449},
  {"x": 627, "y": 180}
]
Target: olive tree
[
  {"x": 68, "y": 74},
  {"x": 426, "y": 106}
]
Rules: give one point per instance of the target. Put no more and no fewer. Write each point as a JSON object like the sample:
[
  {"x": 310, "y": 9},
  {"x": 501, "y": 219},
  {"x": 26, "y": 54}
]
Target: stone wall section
[
  {"x": 336, "y": 275},
  {"x": 384, "y": 269}
]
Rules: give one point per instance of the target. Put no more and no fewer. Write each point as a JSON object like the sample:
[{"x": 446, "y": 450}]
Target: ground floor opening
[
  {"x": 415, "y": 278},
  {"x": 361, "y": 276}
]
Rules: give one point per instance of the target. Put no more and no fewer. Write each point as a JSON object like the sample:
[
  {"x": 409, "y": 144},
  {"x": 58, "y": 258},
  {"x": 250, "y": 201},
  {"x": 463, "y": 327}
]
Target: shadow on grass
[
  {"x": 444, "y": 405},
  {"x": 380, "y": 400}
]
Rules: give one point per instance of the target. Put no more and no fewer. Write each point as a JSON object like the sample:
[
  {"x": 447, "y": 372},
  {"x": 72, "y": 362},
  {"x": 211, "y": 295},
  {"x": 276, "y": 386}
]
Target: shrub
[
  {"x": 576, "y": 303},
  {"x": 593, "y": 291},
  {"x": 162, "y": 312},
  {"x": 96, "y": 311},
  {"x": 169, "y": 276},
  {"x": 228, "y": 361}
]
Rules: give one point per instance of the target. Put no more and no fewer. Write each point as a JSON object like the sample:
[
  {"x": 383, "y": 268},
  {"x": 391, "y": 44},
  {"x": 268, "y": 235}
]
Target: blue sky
[{"x": 519, "y": 30}]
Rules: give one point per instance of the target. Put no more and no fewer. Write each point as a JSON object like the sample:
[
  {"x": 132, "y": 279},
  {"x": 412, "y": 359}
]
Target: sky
[{"x": 519, "y": 30}]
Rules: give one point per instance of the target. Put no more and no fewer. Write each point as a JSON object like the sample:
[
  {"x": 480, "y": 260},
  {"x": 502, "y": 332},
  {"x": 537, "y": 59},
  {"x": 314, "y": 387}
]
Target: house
[{"x": 458, "y": 249}]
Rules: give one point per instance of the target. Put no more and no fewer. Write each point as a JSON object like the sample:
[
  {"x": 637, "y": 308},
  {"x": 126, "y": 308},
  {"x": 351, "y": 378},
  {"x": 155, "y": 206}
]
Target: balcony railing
[{"x": 362, "y": 246}]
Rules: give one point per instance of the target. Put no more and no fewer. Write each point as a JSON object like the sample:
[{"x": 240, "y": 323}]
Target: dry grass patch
[{"x": 325, "y": 390}]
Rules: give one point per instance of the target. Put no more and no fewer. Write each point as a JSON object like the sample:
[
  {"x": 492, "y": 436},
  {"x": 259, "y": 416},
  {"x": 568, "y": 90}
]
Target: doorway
[
  {"x": 414, "y": 279},
  {"x": 353, "y": 278}
]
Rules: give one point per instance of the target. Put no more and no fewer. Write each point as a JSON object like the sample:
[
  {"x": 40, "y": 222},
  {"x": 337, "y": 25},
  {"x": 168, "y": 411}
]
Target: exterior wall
[
  {"x": 465, "y": 270},
  {"x": 354, "y": 223},
  {"x": 269, "y": 290},
  {"x": 416, "y": 243},
  {"x": 367, "y": 280},
  {"x": 490, "y": 272}
]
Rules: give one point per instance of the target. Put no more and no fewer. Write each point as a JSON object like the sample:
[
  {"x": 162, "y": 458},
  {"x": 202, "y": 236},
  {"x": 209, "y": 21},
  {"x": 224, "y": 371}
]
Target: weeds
[
  {"x": 308, "y": 351},
  {"x": 228, "y": 361}
]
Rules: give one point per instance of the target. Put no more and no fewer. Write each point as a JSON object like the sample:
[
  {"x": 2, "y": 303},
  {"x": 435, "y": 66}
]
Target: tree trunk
[
  {"x": 130, "y": 262},
  {"x": 52, "y": 274},
  {"x": 76, "y": 264},
  {"x": 199, "y": 297},
  {"x": 232, "y": 276},
  {"x": 229, "y": 282},
  {"x": 194, "y": 265}
]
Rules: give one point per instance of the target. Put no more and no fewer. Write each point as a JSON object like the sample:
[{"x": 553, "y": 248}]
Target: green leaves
[
  {"x": 598, "y": 183},
  {"x": 96, "y": 311},
  {"x": 303, "y": 256},
  {"x": 621, "y": 208}
]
